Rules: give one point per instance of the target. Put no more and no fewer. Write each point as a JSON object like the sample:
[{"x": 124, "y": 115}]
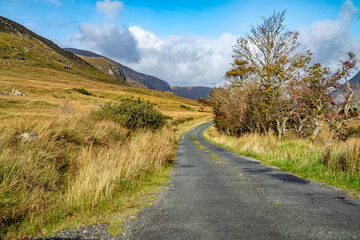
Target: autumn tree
[
  {"x": 229, "y": 104},
  {"x": 263, "y": 62},
  {"x": 273, "y": 85}
]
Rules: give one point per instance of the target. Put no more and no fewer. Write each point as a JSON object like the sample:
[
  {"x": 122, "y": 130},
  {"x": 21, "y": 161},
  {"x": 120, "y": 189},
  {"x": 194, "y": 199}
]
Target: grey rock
[
  {"x": 29, "y": 136},
  {"x": 15, "y": 92}
]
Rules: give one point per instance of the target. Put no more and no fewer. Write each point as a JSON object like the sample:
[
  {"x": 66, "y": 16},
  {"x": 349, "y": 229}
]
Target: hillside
[
  {"x": 20, "y": 46},
  {"x": 131, "y": 75},
  {"x": 191, "y": 92},
  {"x": 48, "y": 75}
]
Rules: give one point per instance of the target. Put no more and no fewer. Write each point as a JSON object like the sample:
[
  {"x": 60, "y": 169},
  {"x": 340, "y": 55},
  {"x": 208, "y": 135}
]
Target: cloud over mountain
[
  {"x": 109, "y": 40},
  {"x": 183, "y": 60},
  {"x": 180, "y": 60}
]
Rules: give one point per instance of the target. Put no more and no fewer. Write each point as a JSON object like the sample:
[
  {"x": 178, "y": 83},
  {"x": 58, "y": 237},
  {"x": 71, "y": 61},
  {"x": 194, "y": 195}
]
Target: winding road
[{"x": 216, "y": 194}]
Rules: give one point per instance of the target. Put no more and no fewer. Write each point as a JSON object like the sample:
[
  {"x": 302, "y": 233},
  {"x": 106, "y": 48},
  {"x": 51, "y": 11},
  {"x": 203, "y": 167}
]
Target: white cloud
[
  {"x": 348, "y": 12},
  {"x": 183, "y": 60},
  {"x": 108, "y": 40},
  {"x": 109, "y": 8},
  {"x": 179, "y": 60},
  {"x": 328, "y": 38}
]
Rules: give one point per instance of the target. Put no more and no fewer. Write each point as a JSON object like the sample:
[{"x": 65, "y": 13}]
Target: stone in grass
[
  {"x": 29, "y": 136},
  {"x": 17, "y": 93}
]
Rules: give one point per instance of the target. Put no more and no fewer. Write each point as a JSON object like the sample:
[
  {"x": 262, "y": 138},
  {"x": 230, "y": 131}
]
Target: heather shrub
[
  {"x": 82, "y": 91},
  {"x": 132, "y": 115}
]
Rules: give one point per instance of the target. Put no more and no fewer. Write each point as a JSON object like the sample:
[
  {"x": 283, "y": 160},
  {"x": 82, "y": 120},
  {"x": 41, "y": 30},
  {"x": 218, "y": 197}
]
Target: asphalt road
[{"x": 215, "y": 194}]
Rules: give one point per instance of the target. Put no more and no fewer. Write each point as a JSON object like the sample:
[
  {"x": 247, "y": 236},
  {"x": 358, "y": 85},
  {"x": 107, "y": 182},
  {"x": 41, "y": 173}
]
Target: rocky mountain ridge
[{"x": 118, "y": 69}]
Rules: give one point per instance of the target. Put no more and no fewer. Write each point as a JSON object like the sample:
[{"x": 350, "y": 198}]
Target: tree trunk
[
  {"x": 299, "y": 130},
  {"x": 317, "y": 128},
  {"x": 279, "y": 128},
  {"x": 284, "y": 125}
]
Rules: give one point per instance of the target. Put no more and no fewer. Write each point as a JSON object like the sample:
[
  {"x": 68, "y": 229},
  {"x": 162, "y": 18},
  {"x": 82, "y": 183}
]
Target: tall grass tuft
[{"x": 75, "y": 163}]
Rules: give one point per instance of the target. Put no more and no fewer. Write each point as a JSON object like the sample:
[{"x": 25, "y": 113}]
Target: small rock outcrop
[
  {"x": 14, "y": 92},
  {"x": 29, "y": 136}
]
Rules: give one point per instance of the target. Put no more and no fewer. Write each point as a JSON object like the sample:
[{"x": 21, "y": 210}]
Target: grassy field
[
  {"x": 79, "y": 165},
  {"x": 80, "y": 170},
  {"x": 338, "y": 166}
]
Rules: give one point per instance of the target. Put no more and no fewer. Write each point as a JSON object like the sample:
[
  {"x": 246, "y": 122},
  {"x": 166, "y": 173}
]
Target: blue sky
[{"x": 185, "y": 42}]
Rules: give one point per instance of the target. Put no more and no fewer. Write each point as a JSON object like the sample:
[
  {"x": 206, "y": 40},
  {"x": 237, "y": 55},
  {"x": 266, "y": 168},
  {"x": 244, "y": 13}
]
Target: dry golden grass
[
  {"x": 48, "y": 89},
  {"x": 101, "y": 171},
  {"x": 75, "y": 163}
]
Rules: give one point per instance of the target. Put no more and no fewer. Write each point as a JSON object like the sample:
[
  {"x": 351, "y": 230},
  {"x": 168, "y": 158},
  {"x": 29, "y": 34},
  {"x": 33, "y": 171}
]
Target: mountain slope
[
  {"x": 338, "y": 94},
  {"x": 191, "y": 92},
  {"x": 20, "y": 46},
  {"x": 148, "y": 81},
  {"x": 354, "y": 81}
]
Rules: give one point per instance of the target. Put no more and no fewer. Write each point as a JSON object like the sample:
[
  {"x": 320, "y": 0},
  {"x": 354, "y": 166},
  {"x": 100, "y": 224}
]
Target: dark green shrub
[
  {"x": 181, "y": 121},
  {"x": 131, "y": 115},
  {"x": 82, "y": 91},
  {"x": 186, "y": 107}
]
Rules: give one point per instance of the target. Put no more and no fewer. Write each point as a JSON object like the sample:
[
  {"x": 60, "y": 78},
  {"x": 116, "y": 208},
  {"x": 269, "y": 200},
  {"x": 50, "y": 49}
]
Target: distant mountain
[
  {"x": 82, "y": 52},
  {"x": 133, "y": 77},
  {"x": 338, "y": 95},
  {"x": 191, "y": 92},
  {"x": 354, "y": 81}
]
